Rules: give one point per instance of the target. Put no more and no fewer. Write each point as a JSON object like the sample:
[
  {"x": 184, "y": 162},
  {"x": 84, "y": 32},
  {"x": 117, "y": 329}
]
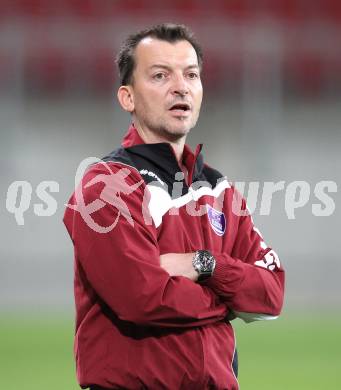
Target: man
[{"x": 164, "y": 259}]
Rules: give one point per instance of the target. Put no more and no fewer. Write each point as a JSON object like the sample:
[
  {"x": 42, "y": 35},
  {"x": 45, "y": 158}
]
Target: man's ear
[{"x": 126, "y": 98}]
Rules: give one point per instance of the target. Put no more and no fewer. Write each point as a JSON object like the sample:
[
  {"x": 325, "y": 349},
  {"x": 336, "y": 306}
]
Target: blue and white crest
[{"x": 217, "y": 220}]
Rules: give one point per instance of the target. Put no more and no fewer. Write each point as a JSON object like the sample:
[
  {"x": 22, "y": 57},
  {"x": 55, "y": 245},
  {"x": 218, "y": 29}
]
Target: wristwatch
[{"x": 204, "y": 263}]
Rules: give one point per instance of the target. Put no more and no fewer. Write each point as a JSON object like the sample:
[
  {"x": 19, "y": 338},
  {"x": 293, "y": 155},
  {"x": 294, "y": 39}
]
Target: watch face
[
  {"x": 204, "y": 263},
  {"x": 207, "y": 261}
]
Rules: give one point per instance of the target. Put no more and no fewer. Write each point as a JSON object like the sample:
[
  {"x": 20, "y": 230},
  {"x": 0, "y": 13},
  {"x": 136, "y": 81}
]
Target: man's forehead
[{"x": 151, "y": 51}]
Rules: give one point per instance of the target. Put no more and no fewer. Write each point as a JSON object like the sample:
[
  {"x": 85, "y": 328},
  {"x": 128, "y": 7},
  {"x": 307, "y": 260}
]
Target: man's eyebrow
[
  {"x": 163, "y": 66},
  {"x": 194, "y": 66}
]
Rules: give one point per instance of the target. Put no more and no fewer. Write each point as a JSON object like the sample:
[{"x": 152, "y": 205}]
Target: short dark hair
[{"x": 166, "y": 32}]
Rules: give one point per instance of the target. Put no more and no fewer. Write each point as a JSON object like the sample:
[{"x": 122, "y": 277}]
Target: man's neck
[{"x": 151, "y": 138}]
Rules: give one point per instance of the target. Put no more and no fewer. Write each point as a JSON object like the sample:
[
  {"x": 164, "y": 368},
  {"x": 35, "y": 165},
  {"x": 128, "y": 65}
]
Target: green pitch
[
  {"x": 289, "y": 353},
  {"x": 292, "y": 352}
]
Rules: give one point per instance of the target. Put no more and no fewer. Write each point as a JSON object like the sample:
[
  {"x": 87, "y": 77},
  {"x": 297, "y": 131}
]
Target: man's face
[{"x": 166, "y": 87}]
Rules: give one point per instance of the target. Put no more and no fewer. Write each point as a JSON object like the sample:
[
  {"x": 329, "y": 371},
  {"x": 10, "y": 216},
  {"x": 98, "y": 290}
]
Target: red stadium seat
[
  {"x": 285, "y": 10},
  {"x": 45, "y": 70},
  {"x": 87, "y": 9},
  {"x": 103, "y": 70},
  {"x": 307, "y": 70},
  {"x": 236, "y": 9},
  {"x": 31, "y": 8},
  {"x": 332, "y": 10}
]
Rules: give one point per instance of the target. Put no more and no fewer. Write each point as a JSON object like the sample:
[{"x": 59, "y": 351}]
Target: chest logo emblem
[{"x": 217, "y": 220}]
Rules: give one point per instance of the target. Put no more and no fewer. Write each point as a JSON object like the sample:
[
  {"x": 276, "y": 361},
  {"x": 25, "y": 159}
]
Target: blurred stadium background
[{"x": 272, "y": 79}]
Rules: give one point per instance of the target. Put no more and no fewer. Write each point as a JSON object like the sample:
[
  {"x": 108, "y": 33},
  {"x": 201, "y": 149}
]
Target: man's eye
[
  {"x": 159, "y": 76},
  {"x": 193, "y": 75}
]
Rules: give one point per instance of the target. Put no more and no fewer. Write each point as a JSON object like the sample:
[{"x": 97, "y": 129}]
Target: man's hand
[{"x": 179, "y": 264}]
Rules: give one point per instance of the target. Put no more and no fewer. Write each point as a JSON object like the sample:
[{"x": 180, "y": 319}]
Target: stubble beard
[
  {"x": 168, "y": 131},
  {"x": 173, "y": 134}
]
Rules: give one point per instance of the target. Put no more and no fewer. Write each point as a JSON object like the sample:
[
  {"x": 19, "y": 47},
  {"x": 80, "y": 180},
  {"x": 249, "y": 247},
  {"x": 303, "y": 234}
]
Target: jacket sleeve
[
  {"x": 116, "y": 245},
  {"x": 251, "y": 279}
]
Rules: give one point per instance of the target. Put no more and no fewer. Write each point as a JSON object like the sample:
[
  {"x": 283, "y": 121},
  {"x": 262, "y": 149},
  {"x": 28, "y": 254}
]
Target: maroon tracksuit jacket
[{"x": 136, "y": 326}]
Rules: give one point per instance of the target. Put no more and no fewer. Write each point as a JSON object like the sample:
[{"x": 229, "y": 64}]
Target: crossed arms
[{"x": 125, "y": 269}]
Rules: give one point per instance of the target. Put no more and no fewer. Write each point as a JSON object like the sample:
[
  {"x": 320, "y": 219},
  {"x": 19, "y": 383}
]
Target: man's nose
[{"x": 180, "y": 86}]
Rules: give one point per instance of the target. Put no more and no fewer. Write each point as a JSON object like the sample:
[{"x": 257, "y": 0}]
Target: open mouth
[{"x": 180, "y": 107}]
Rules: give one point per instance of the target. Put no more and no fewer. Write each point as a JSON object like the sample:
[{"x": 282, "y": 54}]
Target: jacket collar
[
  {"x": 132, "y": 137},
  {"x": 162, "y": 154}
]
